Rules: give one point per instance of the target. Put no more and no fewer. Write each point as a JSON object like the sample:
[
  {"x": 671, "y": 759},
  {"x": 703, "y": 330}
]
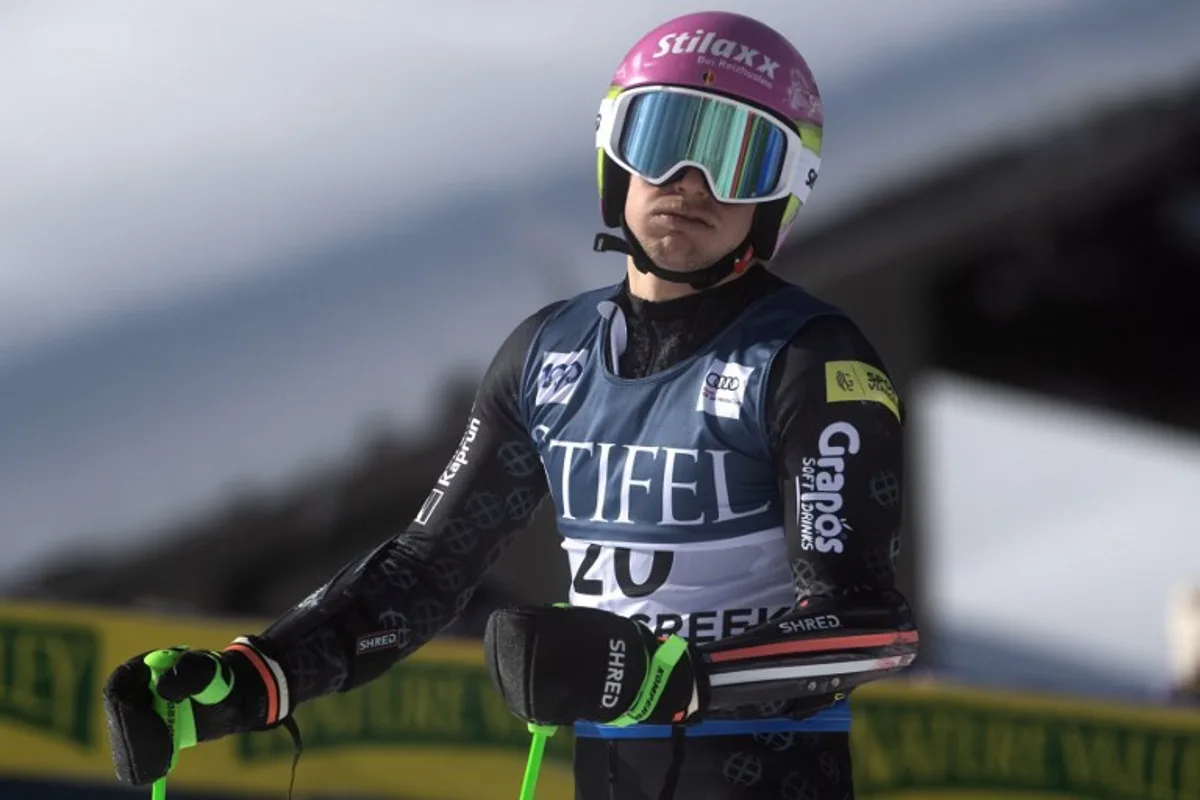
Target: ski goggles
[{"x": 747, "y": 155}]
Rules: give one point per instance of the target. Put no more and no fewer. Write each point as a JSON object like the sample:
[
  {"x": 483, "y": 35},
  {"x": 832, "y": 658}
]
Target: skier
[{"x": 724, "y": 455}]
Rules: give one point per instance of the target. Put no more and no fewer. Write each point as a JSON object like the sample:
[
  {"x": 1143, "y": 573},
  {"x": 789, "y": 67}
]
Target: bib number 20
[{"x": 660, "y": 570}]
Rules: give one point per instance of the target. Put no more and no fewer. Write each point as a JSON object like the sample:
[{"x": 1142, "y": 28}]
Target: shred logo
[
  {"x": 374, "y": 642},
  {"x": 724, "y": 53},
  {"x": 822, "y": 622},
  {"x": 614, "y": 679},
  {"x": 819, "y": 490}
]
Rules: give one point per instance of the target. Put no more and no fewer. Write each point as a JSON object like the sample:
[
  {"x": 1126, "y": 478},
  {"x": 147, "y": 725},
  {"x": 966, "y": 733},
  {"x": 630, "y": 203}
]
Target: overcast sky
[{"x": 152, "y": 148}]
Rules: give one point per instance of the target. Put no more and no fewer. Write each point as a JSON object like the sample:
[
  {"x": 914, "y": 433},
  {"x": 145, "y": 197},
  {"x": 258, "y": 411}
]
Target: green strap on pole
[
  {"x": 179, "y": 718},
  {"x": 662, "y": 664}
]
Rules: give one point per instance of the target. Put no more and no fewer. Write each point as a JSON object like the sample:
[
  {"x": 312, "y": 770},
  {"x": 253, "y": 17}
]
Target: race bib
[{"x": 703, "y": 591}]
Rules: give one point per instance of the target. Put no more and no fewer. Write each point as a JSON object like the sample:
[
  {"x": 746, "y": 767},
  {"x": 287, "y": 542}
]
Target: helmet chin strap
[{"x": 734, "y": 262}]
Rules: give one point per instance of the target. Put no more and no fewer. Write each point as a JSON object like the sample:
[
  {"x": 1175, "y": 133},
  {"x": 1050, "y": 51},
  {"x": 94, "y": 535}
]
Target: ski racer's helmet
[{"x": 723, "y": 93}]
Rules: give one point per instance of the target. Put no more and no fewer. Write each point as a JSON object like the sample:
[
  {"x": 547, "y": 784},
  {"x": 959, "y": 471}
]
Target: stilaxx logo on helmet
[{"x": 703, "y": 42}]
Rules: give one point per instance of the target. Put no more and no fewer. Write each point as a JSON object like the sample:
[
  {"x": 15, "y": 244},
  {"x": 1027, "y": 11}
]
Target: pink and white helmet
[{"x": 724, "y": 55}]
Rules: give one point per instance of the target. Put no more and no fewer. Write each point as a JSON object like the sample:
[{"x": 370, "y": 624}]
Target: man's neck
[{"x": 654, "y": 289}]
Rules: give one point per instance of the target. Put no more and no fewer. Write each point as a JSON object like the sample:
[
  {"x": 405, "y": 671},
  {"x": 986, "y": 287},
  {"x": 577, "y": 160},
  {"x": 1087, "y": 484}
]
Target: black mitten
[
  {"x": 557, "y": 664},
  {"x": 141, "y": 743}
]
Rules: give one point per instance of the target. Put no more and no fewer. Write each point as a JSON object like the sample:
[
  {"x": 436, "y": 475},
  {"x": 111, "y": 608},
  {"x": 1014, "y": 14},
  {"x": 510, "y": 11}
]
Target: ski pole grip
[{"x": 177, "y": 716}]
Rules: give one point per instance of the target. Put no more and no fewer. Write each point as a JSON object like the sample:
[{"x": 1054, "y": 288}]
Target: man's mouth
[{"x": 685, "y": 216}]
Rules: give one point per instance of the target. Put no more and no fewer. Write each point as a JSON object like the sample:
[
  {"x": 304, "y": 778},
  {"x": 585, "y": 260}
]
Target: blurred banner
[
  {"x": 915, "y": 741},
  {"x": 433, "y": 728}
]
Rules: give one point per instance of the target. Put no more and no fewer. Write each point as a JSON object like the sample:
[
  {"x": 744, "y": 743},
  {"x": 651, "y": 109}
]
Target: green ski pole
[{"x": 537, "y": 748}]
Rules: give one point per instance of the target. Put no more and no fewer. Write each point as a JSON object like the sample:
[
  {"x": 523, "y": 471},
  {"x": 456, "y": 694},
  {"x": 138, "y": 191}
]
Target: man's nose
[{"x": 690, "y": 181}]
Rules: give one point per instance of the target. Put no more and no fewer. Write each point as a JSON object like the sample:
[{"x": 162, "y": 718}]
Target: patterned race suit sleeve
[
  {"x": 405, "y": 591},
  {"x": 847, "y": 558}
]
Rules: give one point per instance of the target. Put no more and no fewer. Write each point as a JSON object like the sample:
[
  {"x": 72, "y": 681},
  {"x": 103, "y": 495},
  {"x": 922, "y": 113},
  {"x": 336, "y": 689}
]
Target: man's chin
[
  {"x": 675, "y": 252},
  {"x": 674, "y": 262}
]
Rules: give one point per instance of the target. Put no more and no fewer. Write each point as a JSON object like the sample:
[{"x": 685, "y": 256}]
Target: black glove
[
  {"x": 141, "y": 743},
  {"x": 556, "y": 664}
]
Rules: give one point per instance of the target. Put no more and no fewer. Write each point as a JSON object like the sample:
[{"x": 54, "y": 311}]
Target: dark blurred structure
[
  {"x": 1067, "y": 263},
  {"x": 261, "y": 553}
]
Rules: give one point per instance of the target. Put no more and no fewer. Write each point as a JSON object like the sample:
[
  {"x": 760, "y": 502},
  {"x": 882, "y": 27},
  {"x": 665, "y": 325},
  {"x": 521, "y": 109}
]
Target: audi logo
[{"x": 728, "y": 383}]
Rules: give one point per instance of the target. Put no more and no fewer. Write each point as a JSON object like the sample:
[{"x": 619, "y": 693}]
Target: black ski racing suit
[{"x": 418, "y": 581}]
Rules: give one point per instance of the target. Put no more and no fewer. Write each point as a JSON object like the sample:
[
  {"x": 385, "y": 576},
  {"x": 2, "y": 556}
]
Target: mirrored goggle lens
[{"x": 742, "y": 149}]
